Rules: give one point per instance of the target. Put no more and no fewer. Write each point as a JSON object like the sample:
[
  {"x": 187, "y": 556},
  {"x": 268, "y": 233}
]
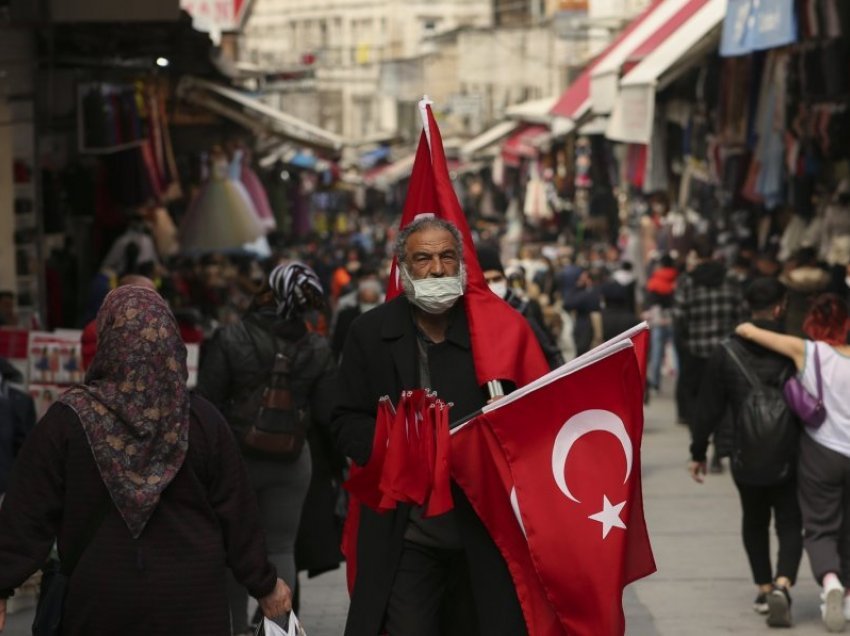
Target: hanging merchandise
[
  {"x": 222, "y": 216},
  {"x": 257, "y": 193},
  {"x": 535, "y": 207},
  {"x": 757, "y": 25},
  {"x": 583, "y": 163}
]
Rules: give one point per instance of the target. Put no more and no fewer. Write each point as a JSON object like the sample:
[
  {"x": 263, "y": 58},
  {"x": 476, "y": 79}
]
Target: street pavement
[{"x": 703, "y": 585}]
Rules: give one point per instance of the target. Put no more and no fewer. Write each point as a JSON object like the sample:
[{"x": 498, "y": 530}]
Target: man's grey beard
[{"x": 407, "y": 281}]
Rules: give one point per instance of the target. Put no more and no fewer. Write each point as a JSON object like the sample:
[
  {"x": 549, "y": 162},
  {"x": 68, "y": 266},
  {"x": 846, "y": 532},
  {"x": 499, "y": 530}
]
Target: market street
[{"x": 702, "y": 586}]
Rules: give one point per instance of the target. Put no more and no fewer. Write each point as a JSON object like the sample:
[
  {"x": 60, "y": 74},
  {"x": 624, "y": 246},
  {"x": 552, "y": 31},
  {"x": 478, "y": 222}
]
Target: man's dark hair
[
  {"x": 704, "y": 248},
  {"x": 764, "y": 292},
  {"x": 666, "y": 261}
]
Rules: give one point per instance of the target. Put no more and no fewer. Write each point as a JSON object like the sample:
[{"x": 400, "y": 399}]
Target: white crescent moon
[{"x": 582, "y": 424}]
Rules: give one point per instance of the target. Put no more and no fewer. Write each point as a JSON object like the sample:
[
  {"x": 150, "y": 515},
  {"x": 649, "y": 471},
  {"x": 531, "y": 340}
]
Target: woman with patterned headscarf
[
  {"x": 141, "y": 482},
  {"x": 236, "y": 367}
]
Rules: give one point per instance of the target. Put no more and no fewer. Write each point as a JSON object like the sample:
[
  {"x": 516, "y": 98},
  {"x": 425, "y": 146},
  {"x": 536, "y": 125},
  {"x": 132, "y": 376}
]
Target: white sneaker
[{"x": 832, "y": 609}]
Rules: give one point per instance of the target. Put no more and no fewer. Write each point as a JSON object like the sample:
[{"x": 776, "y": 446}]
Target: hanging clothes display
[
  {"x": 257, "y": 193},
  {"x": 222, "y": 216}
]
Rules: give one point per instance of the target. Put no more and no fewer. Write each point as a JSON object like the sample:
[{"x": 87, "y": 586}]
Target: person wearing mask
[
  {"x": 236, "y": 368},
  {"x": 17, "y": 419},
  {"x": 494, "y": 274},
  {"x": 823, "y": 472},
  {"x": 585, "y": 301},
  {"x": 763, "y": 471},
  {"x": 369, "y": 295},
  {"x": 420, "y": 576},
  {"x": 143, "y": 481}
]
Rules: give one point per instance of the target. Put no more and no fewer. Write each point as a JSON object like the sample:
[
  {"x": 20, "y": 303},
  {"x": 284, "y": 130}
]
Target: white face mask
[
  {"x": 499, "y": 288},
  {"x": 433, "y": 295}
]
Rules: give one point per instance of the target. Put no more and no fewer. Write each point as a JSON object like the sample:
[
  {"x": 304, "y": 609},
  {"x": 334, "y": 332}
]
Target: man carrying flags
[
  {"x": 442, "y": 575},
  {"x": 529, "y": 547}
]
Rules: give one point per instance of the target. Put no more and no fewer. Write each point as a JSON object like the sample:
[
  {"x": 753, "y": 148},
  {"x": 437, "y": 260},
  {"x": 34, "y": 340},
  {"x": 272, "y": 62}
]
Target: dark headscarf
[{"x": 134, "y": 405}]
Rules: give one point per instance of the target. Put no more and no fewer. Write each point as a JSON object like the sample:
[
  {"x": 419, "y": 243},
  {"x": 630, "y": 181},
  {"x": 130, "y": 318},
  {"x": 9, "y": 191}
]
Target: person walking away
[
  {"x": 707, "y": 305},
  {"x": 659, "y": 300},
  {"x": 235, "y": 370},
  {"x": 144, "y": 482},
  {"x": 823, "y": 474},
  {"x": 747, "y": 379}
]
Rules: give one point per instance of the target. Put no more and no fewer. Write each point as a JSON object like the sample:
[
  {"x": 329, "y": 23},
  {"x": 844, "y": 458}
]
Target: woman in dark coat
[
  {"x": 235, "y": 369},
  {"x": 166, "y": 471}
]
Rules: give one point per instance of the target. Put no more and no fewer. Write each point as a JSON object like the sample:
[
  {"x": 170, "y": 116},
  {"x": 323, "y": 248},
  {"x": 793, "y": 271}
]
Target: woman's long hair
[{"x": 827, "y": 320}]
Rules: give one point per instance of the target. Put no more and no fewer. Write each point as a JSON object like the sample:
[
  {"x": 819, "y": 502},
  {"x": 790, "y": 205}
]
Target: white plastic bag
[{"x": 269, "y": 628}]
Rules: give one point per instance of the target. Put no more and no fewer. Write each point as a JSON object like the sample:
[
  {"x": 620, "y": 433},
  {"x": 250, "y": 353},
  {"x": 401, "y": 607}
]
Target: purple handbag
[{"x": 809, "y": 409}]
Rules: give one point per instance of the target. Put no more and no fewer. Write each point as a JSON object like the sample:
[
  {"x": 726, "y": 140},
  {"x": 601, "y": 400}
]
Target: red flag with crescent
[{"x": 553, "y": 472}]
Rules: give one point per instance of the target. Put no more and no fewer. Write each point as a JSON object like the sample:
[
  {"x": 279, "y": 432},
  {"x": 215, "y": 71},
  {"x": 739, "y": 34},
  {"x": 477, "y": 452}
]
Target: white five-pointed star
[{"x": 609, "y": 516}]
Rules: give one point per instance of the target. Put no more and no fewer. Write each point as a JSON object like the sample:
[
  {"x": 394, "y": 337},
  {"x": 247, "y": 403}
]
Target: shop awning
[
  {"x": 689, "y": 35},
  {"x": 488, "y": 138},
  {"x": 575, "y": 102},
  {"x": 221, "y": 100},
  {"x": 525, "y": 143},
  {"x": 605, "y": 76},
  {"x": 533, "y": 111},
  {"x": 755, "y": 25}
]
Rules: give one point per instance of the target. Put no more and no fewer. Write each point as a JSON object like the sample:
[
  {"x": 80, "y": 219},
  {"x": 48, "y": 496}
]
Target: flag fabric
[{"x": 572, "y": 449}]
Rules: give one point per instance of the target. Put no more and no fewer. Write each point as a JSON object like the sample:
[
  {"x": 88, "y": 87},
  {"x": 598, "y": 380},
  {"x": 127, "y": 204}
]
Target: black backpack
[
  {"x": 270, "y": 420},
  {"x": 766, "y": 431}
]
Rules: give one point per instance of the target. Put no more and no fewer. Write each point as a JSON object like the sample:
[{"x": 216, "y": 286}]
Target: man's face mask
[
  {"x": 433, "y": 295},
  {"x": 500, "y": 288}
]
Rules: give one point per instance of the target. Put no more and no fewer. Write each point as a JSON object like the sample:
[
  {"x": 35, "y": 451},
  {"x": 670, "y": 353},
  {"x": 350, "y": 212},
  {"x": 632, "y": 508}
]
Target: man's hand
[
  {"x": 278, "y": 603},
  {"x": 697, "y": 471},
  {"x": 2, "y": 613}
]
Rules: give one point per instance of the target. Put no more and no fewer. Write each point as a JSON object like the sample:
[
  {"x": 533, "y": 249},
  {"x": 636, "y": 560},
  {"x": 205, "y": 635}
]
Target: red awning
[
  {"x": 524, "y": 143},
  {"x": 575, "y": 101}
]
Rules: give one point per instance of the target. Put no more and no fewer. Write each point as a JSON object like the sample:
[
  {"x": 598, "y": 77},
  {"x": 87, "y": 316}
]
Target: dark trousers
[
  {"x": 691, "y": 370},
  {"x": 757, "y": 504},
  {"x": 431, "y": 594},
  {"x": 823, "y": 481}
]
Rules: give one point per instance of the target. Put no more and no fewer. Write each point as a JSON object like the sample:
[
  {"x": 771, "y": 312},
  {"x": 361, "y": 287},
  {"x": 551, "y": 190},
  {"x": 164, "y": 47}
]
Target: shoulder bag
[{"x": 809, "y": 408}]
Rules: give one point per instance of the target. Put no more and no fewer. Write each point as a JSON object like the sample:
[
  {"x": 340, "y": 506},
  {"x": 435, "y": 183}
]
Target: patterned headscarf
[
  {"x": 134, "y": 405},
  {"x": 296, "y": 288}
]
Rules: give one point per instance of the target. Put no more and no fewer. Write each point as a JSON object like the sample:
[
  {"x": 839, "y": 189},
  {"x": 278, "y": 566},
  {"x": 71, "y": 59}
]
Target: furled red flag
[{"x": 572, "y": 445}]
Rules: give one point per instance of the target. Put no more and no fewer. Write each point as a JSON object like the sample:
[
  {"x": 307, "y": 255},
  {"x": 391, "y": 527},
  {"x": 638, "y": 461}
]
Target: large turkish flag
[{"x": 565, "y": 476}]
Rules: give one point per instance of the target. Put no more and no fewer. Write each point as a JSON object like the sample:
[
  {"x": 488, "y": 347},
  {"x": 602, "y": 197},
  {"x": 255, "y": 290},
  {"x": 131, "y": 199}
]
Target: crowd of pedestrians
[{"x": 310, "y": 321}]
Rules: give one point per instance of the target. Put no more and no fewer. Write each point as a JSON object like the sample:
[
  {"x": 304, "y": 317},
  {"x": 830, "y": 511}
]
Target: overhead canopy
[
  {"x": 525, "y": 143},
  {"x": 575, "y": 103},
  {"x": 680, "y": 42},
  {"x": 534, "y": 111},
  {"x": 605, "y": 76},
  {"x": 209, "y": 95},
  {"x": 488, "y": 138}
]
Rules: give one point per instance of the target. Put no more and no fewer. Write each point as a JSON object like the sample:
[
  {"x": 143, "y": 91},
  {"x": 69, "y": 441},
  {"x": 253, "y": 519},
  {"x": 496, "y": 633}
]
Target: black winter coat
[
  {"x": 380, "y": 358},
  {"x": 240, "y": 357},
  {"x": 724, "y": 387}
]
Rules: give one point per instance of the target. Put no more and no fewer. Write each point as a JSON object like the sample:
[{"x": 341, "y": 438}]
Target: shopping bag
[{"x": 268, "y": 628}]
